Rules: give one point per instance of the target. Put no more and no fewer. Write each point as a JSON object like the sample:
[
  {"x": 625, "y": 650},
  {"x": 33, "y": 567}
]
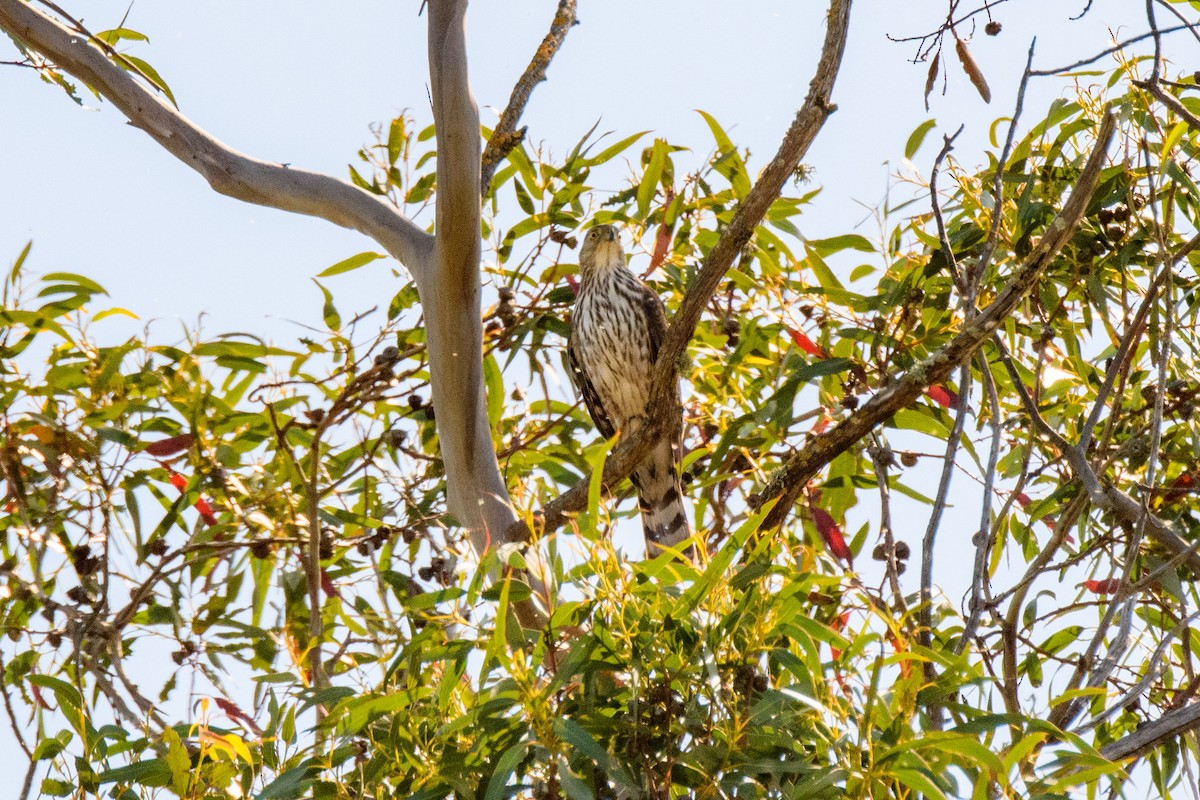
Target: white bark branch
[
  {"x": 477, "y": 496},
  {"x": 226, "y": 170}
]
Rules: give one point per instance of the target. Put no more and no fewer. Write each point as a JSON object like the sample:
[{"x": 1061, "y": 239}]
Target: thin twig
[
  {"x": 882, "y": 458},
  {"x": 1191, "y": 27},
  {"x": 925, "y": 613},
  {"x": 993, "y": 240},
  {"x": 983, "y": 537},
  {"x": 8, "y": 707},
  {"x": 1041, "y": 73},
  {"x": 947, "y": 248}
]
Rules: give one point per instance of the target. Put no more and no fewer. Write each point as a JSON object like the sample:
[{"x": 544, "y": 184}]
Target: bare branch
[
  {"x": 804, "y": 129},
  {"x": 989, "y": 249},
  {"x": 925, "y": 612},
  {"x": 1171, "y": 102},
  {"x": 947, "y": 249},
  {"x": 506, "y": 136},
  {"x": 476, "y": 494},
  {"x": 1107, "y": 52},
  {"x": 227, "y": 171},
  {"x": 983, "y": 537},
  {"x": 789, "y": 481}
]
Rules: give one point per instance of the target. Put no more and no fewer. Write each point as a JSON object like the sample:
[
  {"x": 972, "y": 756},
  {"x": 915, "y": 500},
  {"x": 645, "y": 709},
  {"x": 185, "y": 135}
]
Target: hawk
[{"x": 616, "y": 330}]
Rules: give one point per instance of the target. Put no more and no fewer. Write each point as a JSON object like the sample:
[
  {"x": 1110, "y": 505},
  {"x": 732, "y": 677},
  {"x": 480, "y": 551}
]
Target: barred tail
[{"x": 660, "y": 495}]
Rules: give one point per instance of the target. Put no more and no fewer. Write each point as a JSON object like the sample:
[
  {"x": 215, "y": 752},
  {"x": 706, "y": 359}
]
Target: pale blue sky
[
  {"x": 296, "y": 83},
  {"x": 299, "y": 82}
]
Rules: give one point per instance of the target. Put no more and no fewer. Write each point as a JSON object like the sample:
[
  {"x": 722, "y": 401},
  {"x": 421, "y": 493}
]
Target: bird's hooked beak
[{"x": 609, "y": 234}]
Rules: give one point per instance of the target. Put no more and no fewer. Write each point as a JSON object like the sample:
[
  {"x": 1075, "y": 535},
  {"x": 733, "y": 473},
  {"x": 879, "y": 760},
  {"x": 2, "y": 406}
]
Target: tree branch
[
  {"x": 476, "y": 494},
  {"x": 799, "y": 137},
  {"x": 1152, "y": 734},
  {"x": 228, "y": 172},
  {"x": 506, "y": 136},
  {"x": 789, "y": 481}
]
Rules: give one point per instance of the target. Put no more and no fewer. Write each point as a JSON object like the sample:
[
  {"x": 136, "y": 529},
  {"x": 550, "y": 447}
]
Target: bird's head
[{"x": 601, "y": 250}]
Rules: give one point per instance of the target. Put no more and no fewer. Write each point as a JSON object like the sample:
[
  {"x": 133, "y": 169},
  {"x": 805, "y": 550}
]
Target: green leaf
[
  {"x": 613, "y": 150},
  {"x": 729, "y": 162},
  {"x": 111, "y": 37},
  {"x": 16, "y": 267},
  {"x": 724, "y": 143},
  {"x": 154, "y": 772},
  {"x": 822, "y": 272},
  {"x": 329, "y": 312},
  {"x": 494, "y": 382},
  {"x": 148, "y": 72},
  {"x": 396, "y": 139},
  {"x": 505, "y": 766},
  {"x": 649, "y": 185},
  {"x": 56, "y": 788},
  {"x": 66, "y": 694},
  {"x": 114, "y": 312},
  {"x": 917, "y": 137},
  {"x": 575, "y": 788},
  {"x": 86, "y": 284},
  {"x": 920, "y": 782},
  {"x": 351, "y": 263},
  {"x": 290, "y": 784},
  {"x": 835, "y": 244},
  {"x": 820, "y": 368},
  {"x": 523, "y": 198},
  {"x": 178, "y": 762}
]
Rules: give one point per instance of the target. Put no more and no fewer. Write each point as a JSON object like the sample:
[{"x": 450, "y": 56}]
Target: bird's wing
[
  {"x": 656, "y": 326},
  {"x": 656, "y": 319},
  {"x": 590, "y": 397}
]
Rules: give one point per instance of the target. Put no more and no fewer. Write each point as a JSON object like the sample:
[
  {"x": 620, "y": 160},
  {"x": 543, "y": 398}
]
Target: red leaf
[
  {"x": 201, "y": 504},
  {"x": 942, "y": 396},
  {"x": 806, "y": 344},
  {"x": 573, "y": 282},
  {"x": 37, "y": 695},
  {"x": 837, "y": 626},
  {"x": 167, "y": 447},
  {"x": 662, "y": 246},
  {"x": 831, "y": 534},
  {"x": 327, "y": 585},
  {"x": 235, "y": 713},
  {"x": 1108, "y": 586},
  {"x": 1180, "y": 488},
  {"x": 822, "y": 422},
  {"x": 206, "y": 512},
  {"x": 1023, "y": 500}
]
